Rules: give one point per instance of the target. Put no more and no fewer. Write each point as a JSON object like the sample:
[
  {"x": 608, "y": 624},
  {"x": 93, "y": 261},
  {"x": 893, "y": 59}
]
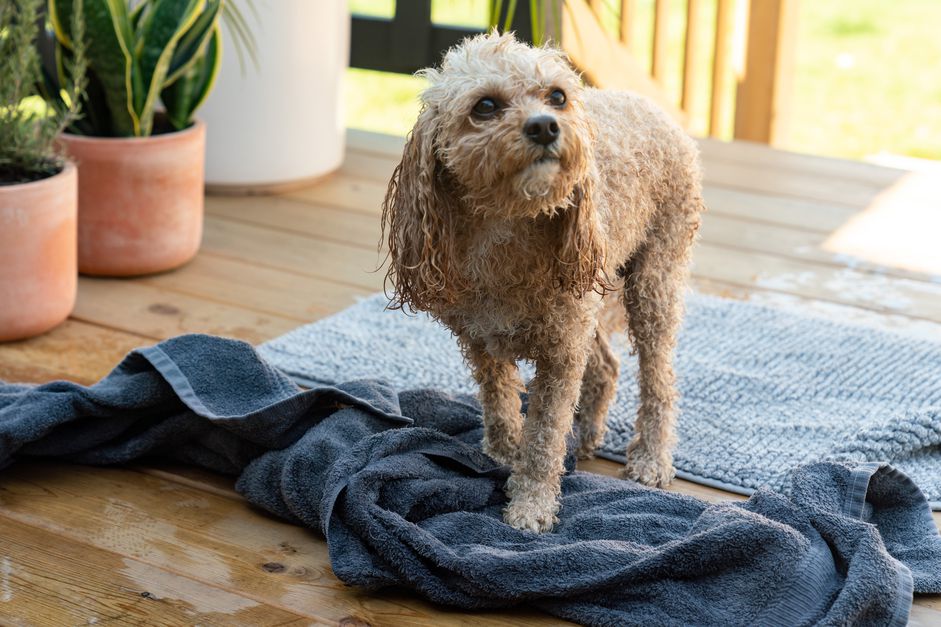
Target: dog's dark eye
[
  {"x": 557, "y": 98},
  {"x": 485, "y": 107}
]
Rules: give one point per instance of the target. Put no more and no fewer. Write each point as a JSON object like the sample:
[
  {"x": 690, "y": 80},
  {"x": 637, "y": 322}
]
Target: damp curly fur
[{"x": 522, "y": 251}]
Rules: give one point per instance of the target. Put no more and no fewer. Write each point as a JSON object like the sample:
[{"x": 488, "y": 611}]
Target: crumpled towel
[{"x": 402, "y": 492}]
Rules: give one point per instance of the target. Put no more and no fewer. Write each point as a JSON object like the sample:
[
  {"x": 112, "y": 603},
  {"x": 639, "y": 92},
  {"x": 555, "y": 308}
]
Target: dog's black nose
[{"x": 542, "y": 129}]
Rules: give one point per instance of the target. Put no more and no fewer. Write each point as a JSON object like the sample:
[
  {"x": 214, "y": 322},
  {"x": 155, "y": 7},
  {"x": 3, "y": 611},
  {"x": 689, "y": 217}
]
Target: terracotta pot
[
  {"x": 37, "y": 254},
  {"x": 140, "y": 200}
]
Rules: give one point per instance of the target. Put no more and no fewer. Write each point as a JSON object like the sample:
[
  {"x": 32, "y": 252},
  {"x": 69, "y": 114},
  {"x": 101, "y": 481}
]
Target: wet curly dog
[{"x": 521, "y": 200}]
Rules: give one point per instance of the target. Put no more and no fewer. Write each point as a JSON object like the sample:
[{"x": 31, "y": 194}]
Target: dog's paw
[
  {"x": 643, "y": 467},
  {"x": 533, "y": 504},
  {"x": 538, "y": 516},
  {"x": 585, "y": 451},
  {"x": 588, "y": 442}
]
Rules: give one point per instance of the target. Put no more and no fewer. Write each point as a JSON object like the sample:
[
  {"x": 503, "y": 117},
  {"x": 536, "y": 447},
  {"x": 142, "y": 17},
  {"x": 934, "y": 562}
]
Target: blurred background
[{"x": 862, "y": 78}]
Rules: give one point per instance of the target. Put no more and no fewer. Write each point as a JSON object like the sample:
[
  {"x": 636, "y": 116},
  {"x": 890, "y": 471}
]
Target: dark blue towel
[{"x": 397, "y": 483}]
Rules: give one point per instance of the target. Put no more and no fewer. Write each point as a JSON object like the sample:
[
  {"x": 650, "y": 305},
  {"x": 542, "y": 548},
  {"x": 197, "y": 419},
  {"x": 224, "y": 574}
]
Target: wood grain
[
  {"x": 75, "y": 350},
  {"x": 159, "y": 313},
  {"x": 84, "y": 543},
  {"x": 261, "y": 288},
  {"x": 730, "y": 252},
  {"x": 217, "y": 544},
  {"x": 762, "y": 105},
  {"x": 720, "y": 97},
  {"x": 751, "y": 155},
  {"x": 46, "y": 578}
]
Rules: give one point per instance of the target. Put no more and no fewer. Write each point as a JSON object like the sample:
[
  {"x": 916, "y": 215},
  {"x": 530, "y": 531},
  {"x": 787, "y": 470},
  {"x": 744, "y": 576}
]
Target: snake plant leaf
[
  {"x": 136, "y": 14},
  {"x": 193, "y": 43},
  {"x": 95, "y": 113},
  {"x": 240, "y": 31},
  {"x": 56, "y": 60},
  {"x": 51, "y": 86},
  {"x": 109, "y": 42},
  {"x": 59, "y": 16},
  {"x": 165, "y": 22},
  {"x": 189, "y": 91}
]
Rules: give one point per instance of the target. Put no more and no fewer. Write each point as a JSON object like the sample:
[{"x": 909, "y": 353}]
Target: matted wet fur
[{"x": 515, "y": 239}]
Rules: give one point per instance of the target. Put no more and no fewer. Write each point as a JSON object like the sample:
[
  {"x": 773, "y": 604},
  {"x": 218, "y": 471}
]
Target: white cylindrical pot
[{"x": 279, "y": 124}]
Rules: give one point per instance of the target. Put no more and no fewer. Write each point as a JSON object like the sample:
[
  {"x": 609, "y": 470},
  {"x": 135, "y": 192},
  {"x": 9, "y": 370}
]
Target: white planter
[{"x": 282, "y": 123}]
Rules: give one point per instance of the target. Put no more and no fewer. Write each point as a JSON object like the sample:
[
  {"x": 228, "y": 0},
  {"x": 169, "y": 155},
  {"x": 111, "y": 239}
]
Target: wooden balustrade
[
  {"x": 760, "y": 91},
  {"x": 610, "y": 53}
]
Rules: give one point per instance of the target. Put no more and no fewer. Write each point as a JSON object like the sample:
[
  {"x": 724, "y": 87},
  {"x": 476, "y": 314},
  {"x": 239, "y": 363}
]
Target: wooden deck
[{"x": 171, "y": 545}]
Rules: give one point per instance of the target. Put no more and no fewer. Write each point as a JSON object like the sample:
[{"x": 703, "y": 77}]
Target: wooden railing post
[
  {"x": 695, "y": 36},
  {"x": 628, "y": 32},
  {"x": 604, "y": 60},
  {"x": 762, "y": 102},
  {"x": 661, "y": 27},
  {"x": 721, "y": 98}
]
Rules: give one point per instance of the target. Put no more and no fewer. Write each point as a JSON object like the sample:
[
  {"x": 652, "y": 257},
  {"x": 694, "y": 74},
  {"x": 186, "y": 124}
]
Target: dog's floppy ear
[
  {"x": 581, "y": 253},
  {"x": 417, "y": 223}
]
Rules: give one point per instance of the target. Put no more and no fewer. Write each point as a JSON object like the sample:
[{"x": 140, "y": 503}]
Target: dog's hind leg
[
  {"x": 655, "y": 280},
  {"x": 500, "y": 387},
  {"x": 598, "y": 389}
]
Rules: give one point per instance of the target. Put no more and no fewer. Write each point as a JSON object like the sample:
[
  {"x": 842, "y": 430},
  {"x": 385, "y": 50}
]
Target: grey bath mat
[{"x": 762, "y": 390}]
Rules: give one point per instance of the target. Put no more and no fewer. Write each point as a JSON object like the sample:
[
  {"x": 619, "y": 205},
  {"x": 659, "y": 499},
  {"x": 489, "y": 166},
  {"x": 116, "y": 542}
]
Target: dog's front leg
[
  {"x": 533, "y": 487},
  {"x": 500, "y": 387}
]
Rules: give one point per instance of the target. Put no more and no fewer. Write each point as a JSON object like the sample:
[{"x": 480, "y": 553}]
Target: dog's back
[{"x": 645, "y": 162}]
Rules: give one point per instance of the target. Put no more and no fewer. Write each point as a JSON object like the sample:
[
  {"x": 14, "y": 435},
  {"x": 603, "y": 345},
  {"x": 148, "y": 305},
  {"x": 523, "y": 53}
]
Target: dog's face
[
  {"x": 502, "y": 136},
  {"x": 508, "y": 124}
]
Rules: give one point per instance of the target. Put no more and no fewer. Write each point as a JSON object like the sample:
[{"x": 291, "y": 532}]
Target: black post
[{"x": 410, "y": 41}]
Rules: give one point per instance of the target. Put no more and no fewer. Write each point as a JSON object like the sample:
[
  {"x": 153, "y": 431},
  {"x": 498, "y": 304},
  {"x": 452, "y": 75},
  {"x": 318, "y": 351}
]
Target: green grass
[
  {"x": 388, "y": 103},
  {"x": 868, "y": 78},
  {"x": 867, "y": 74}
]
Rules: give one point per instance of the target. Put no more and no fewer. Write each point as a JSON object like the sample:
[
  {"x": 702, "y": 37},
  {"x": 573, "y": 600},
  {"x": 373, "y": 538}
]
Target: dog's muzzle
[{"x": 542, "y": 129}]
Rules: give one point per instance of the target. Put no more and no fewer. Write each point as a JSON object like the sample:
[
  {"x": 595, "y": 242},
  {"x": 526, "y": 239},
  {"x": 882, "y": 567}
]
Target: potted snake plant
[
  {"x": 38, "y": 188},
  {"x": 140, "y": 168}
]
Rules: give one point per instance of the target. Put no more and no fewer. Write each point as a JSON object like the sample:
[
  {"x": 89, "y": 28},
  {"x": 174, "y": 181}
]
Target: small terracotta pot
[
  {"x": 140, "y": 200},
  {"x": 37, "y": 254}
]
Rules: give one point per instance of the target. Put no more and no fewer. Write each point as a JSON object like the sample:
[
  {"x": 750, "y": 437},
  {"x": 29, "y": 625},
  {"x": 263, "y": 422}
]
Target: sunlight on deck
[{"x": 901, "y": 228}]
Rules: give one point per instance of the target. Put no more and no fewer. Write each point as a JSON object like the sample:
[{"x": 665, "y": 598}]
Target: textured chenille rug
[{"x": 763, "y": 390}]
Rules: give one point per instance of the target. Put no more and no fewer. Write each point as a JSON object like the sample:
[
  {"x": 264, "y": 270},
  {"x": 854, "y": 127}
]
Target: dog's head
[
  {"x": 508, "y": 124},
  {"x": 502, "y": 135}
]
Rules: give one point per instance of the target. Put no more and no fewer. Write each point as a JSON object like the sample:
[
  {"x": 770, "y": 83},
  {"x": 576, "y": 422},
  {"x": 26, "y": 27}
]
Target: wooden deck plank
[
  {"x": 46, "y": 578},
  {"x": 757, "y": 154},
  {"x": 743, "y": 176},
  {"x": 285, "y": 213},
  {"x": 159, "y": 313},
  {"x": 779, "y": 210},
  {"x": 807, "y": 227},
  {"x": 791, "y": 184},
  {"x": 741, "y": 152},
  {"x": 880, "y": 293},
  {"x": 721, "y": 230},
  {"x": 305, "y": 254},
  {"x": 724, "y": 224},
  {"x": 360, "y": 194},
  {"x": 74, "y": 350},
  {"x": 270, "y": 263},
  {"x": 219, "y": 544},
  {"x": 283, "y": 292},
  {"x": 342, "y": 258}
]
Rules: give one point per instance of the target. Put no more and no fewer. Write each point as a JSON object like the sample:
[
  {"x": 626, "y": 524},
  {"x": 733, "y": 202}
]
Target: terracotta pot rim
[
  {"x": 68, "y": 166},
  {"x": 195, "y": 127}
]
